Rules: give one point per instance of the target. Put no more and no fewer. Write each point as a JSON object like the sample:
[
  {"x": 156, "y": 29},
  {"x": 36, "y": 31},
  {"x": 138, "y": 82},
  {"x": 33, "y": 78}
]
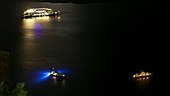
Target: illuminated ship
[
  {"x": 142, "y": 74},
  {"x": 39, "y": 12}
]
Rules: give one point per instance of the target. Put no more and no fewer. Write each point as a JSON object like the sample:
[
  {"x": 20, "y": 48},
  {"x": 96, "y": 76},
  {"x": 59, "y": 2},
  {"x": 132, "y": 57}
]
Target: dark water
[{"x": 98, "y": 46}]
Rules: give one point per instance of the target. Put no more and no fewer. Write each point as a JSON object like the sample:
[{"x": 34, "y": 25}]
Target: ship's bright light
[{"x": 30, "y": 10}]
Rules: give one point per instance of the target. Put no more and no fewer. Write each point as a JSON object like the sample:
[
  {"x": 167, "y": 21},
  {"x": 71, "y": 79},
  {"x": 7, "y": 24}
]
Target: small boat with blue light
[
  {"x": 57, "y": 74},
  {"x": 39, "y": 12}
]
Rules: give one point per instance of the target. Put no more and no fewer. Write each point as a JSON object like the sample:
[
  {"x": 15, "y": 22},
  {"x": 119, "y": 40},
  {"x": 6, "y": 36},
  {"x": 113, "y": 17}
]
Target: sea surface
[{"x": 98, "y": 46}]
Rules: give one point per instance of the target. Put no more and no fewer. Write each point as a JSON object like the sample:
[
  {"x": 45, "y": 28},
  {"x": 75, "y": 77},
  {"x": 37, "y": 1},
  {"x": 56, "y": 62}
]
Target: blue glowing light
[
  {"x": 42, "y": 76},
  {"x": 61, "y": 71}
]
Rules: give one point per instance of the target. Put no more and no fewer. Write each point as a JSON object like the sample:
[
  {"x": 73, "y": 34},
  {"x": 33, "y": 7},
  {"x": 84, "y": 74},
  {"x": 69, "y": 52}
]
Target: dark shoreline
[{"x": 73, "y": 1}]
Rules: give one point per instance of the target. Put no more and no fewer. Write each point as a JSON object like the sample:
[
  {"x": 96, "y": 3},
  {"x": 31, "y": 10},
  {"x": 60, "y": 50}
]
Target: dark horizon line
[{"x": 73, "y": 1}]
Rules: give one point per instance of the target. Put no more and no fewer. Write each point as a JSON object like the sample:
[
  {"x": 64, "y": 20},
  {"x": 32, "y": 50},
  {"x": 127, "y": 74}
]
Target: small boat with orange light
[{"x": 142, "y": 74}]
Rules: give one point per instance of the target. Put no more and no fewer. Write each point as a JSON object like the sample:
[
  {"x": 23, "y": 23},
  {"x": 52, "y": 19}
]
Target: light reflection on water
[
  {"x": 56, "y": 81},
  {"x": 30, "y": 23},
  {"x": 34, "y": 27},
  {"x": 44, "y": 75},
  {"x": 142, "y": 84}
]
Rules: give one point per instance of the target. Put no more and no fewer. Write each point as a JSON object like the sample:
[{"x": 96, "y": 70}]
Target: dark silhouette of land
[{"x": 73, "y": 1}]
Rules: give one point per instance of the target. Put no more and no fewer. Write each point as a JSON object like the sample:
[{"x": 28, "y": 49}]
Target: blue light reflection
[
  {"x": 38, "y": 30},
  {"x": 38, "y": 26},
  {"x": 41, "y": 76}
]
